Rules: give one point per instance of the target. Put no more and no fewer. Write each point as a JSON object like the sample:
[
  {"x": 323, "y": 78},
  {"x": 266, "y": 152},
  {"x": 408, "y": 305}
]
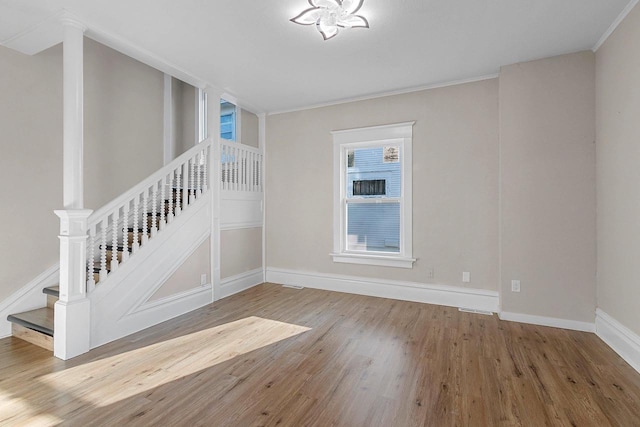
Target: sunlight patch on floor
[
  {"x": 15, "y": 411},
  {"x": 119, "y": 377}
]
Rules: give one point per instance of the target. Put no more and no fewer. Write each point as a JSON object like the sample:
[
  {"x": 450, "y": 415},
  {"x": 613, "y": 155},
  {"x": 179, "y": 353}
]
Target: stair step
[
  {"x": 54, "y": 291},
  {"x": 34, "y": 337},
  {"x": 40, "y": 319}
]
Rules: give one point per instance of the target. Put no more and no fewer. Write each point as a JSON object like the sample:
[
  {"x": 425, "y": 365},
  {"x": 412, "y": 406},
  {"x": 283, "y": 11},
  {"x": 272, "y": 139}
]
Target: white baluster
[
  {"x": 163, "y": 185},
  {"x": 185, "y": 185},
  {"x": 125, "y": 231},
  {"x": 199, "y": 159},
  {"x": 145, "y": 217},
  {"x": 134, "y": 226},
  {"x": 177, "y": 190},
  {"x": 245, "y": 171},
  {"x": 154, "y": 209},
  {"x": 171, "y": 194},
  {"x": 235, "y": 169},
  {"x": 103, "y": 249},
  {"x": 259, "y": 170},
  {"x": 252, "y": 171},
  {"x": 225, "y": 175},
  {"x": 191, "y": 164},
  {"x": 114, "y": 240},
  {"x": 254, "y": 167},
  {"x": 91, "y": 283},
  {"x": 205, "y": 166}
]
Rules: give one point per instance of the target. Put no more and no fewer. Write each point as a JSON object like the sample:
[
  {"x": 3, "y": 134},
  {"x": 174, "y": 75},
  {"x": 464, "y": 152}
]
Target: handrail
[
  {"x": 226, "y": 142},
  {"x": 145, "y": 183},
  {"x": 120, "y": 228}
]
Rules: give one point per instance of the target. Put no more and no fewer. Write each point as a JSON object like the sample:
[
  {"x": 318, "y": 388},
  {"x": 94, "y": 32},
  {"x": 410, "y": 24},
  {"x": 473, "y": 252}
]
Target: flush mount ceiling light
[{"x": 329, "y": 15}]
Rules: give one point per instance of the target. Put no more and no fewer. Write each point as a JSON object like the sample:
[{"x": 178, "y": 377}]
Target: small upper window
[{"x": 227, "y": 120}]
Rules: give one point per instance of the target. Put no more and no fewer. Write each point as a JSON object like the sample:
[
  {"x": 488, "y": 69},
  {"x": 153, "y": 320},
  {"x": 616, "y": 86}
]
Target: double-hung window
[{"x": 372, "y": 195}]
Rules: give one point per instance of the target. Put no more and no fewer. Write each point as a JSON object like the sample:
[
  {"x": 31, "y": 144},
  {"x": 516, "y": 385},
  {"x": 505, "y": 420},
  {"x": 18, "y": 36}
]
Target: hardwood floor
[{"x": 279, "y": 356}]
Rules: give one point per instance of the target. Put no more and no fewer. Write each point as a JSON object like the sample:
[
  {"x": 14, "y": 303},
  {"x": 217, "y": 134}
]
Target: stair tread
[
  {"x": 40, "y": 319},
  {"x": 52, "y": 290}
]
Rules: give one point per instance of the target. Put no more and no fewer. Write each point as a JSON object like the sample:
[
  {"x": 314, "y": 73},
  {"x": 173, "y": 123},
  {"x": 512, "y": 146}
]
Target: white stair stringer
[{"x": 118, "y": 304}]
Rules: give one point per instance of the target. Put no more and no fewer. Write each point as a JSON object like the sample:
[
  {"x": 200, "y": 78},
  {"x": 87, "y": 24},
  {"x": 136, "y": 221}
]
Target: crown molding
[
  {"x": 390, "y": 93},
  {"x": 615, "y": 25}
]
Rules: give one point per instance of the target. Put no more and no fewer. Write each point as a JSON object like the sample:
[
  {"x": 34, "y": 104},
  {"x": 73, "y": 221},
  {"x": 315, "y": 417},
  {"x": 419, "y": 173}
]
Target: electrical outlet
[
  {"x": 430, "y": 273},
  {"x": 466, "y": 277},
  {"x": 515, "y": 286},
  {"x": 203, "y": 279}
]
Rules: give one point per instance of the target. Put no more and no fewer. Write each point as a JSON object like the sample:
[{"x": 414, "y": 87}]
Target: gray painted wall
[{"x": 618, "y": 172}]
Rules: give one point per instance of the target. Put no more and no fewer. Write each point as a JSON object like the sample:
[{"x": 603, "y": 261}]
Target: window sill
[{"x": 379, "y": 260}]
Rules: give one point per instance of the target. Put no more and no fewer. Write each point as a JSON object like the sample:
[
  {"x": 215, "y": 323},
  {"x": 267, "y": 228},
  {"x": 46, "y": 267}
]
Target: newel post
[
  {"x": 72, "y": 322},
  {"x": 72, "y": 318}
]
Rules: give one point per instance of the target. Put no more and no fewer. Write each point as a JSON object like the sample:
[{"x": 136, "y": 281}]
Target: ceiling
[{"x": 251, "y": 50}]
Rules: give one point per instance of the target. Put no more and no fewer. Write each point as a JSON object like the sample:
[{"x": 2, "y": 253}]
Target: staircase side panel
[{"x": 119, "y": 305}]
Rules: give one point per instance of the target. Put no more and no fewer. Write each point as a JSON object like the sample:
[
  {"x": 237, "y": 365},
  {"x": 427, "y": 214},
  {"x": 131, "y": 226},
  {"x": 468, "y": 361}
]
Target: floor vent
[
  {"x": 470, "y": 310},
  {"x": 293, "y": 286}
]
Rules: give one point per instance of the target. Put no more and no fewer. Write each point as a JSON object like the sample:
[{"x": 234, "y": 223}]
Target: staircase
[
  {"x": 121, "y": 229},
  {"x": 130, "y": 247},
  {"x": 37, "y": 326}
]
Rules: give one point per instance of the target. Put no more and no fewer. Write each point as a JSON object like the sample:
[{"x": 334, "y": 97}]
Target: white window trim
[{"x": 402, "y": 135}]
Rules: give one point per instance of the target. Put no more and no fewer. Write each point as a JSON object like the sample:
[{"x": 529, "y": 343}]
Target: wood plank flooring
[{"x": 278, "y": 356}]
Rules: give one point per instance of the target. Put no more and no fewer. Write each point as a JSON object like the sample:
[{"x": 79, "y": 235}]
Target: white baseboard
[
  {"x": 554, "y": 322},
  {"x": 452, "y": 296},
  {"x": 29, "y": 297},
  {"x": 240, "y": 282},
  {"x": 620, "y": 338}
]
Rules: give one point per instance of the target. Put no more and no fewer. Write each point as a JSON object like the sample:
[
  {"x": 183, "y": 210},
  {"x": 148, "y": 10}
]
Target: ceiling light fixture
[{"x": 329, "y": 15}]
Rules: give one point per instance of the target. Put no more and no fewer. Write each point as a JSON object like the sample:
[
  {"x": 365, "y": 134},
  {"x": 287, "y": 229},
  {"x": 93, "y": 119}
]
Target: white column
[
  {"x": 213, "y": 128},
  {"x": 262, "y": 144},
  {"x": 72, "y": 321},
  {"x": 73, "y": 104}
]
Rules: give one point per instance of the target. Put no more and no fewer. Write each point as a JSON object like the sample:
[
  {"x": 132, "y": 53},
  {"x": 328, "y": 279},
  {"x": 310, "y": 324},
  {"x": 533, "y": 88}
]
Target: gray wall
[
  {"x": 249, "y": 128},
  {"x": 123, "y": 144},
  {"x": 30, "y": 164},
  {"x": 183, "y": 98},
  {"x": 241, "y": 251},
  {"x": 455, "y": 184},
  {"x": 123, "y": 123},
  {"x": 548, "y": 198},
  {"x": 618, "y": 172}
]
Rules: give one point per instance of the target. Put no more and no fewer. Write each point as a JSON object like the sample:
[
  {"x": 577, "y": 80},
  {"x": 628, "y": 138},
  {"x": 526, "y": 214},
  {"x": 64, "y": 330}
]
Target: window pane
[
  {"x": 375, "y": 171},
  {"x": 227, "y": 120},
  {"x": 373, "y": 227}
]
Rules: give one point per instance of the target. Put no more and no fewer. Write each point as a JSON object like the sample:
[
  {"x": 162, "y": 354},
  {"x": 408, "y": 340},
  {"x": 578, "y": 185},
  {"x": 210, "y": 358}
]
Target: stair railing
[
  {"x": 123, "y": 226},
  {"x": 241, "y": 168}
]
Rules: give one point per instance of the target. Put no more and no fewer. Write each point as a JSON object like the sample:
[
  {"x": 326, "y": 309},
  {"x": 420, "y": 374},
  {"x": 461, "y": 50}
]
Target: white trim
[
  {"x": 367, "y": 259},
  {"x": 29, "y": 297},
  {"x": 614, "y": 25},
  {"x": 240, "y": 225},
  {"x": 233, "y": 284},
  {"x": 452, "y": 296},
  {"x": 150, "y": 305},
  {"x": 574, "y": 325},
  {"x": 177, "y": 263},
  {"x": 390, "y": 93},
  {"x": 400, "y": 134},
  {"x": 620, "y": 338}
]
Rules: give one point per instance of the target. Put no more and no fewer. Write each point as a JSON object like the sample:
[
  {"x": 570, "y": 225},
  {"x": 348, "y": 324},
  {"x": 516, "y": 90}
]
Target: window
[
  {"x": 372, "y": 195},
  {"x": 227, "y": 120}
]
